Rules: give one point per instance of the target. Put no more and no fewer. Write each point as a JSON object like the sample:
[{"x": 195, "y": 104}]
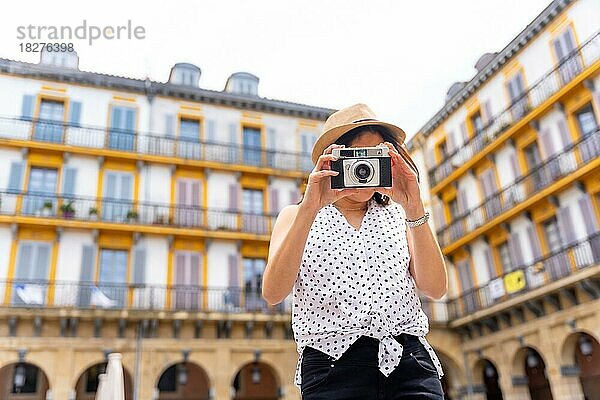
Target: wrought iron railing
[
  {"x": 570, "y": 159},
  {"x": 111, "y": 296},
  {"x": 584, "y": 56},
  {"x": 121, "y": 211},
  {"x": 558, "y": 264},
  {"x": 76, "y": 135}
]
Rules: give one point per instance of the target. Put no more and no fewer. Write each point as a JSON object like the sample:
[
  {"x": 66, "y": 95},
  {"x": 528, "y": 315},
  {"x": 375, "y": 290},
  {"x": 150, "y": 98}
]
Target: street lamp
[
  {"x": 585, "y": 346},
  {"x": 532, "y": 360},
  {"x": 255, "y": 368},
  {"x": 489, "y": 370},
  {"x": 182, "y": 371},
  {"x": 19, "y": 378}
]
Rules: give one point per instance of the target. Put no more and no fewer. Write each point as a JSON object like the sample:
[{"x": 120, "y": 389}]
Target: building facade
[{"x": 513, "y": 183}]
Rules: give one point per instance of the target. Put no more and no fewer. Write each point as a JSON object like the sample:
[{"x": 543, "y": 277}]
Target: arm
[
  {"x": 426, "y": 264},
  {"x": 285, "y": 251}
]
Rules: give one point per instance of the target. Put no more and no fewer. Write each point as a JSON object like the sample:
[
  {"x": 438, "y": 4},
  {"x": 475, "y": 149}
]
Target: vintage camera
[{"x": 361, "y": 167}]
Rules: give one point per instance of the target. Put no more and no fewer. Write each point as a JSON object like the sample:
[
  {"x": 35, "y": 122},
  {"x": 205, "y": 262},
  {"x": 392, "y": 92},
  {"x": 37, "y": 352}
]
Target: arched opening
[
  {"x": 23, "y": 380},
  {"x": 537, "y": 379},
  {"x": 580, "y": 361},
  {"x": 255, "y": 380},
  {"x": 87, "y": 384},
  {"x": 486, "y": 376},
  {"x": 183, "y": 381},
  {"x": 453, "y": 377}
]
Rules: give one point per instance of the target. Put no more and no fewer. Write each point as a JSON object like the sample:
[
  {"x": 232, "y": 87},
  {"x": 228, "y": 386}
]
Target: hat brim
[{"x": 333, "y": 134}]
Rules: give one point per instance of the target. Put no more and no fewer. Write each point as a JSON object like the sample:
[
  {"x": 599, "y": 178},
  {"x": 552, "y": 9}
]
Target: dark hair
[{"x": 347, "y": 138}]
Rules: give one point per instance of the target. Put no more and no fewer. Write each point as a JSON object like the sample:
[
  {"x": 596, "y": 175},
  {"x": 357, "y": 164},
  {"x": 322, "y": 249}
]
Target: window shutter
[
  {"x": 533, "y": 242},
  {"x": 546, "y": 140},
  {"x": 195, "y": 276},
  {"x": 463, "y": 197},
  {"x": 486, "y": 112},
  {"x": 490, "y": 262},
  {"x": 210, "y": 130},
  {"x": 139, "y": 266},
  {"x": 459, "y": 201},
  {"x": 515, "y": 248},
  {"x": 15, "y": 179},
  {"x": 75, "y": 113},
  {"x": 25, "y": 260},
  {"x": 463, "y": 132},
  {"x": 558, "y": 48},
  {"x": 569, "y": 41},
  {"x": 565, "y": 225},
  {"x": 271, "y": 138},
  {"x": 170, "y": 125},
  {"x": 234, "y": 280},
  {"x": 466, "y": 280},
  {"x": 233, "y": 197},
  {"x": 88, "y": 256},
  {"x": 70, "y": 175},
  {"x": 564, "y": 133},
  {"x": 589, "y": 217},
  {"x": 450, "y": 143},
  {"x": 27, "y": 107},
  {"x": 294, "y": 196},
  {"x": 233, "y": 139},
  {"x": 196, "y": 194},
  {"x": 274, "y": 196},
  {"x": 514, "y": 164}
]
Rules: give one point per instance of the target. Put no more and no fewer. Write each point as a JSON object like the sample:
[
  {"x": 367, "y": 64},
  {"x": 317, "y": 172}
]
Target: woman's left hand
[{"x": 405, "y": 187}]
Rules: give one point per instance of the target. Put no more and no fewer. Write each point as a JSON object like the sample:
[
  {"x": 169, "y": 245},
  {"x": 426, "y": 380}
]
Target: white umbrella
[
  {"x": 113, "y": 384},
  {"x": 101, "y": 391}
]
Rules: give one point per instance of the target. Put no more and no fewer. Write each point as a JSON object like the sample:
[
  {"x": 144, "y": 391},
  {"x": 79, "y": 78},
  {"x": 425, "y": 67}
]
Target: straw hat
[{"x": 352, "y": 117}]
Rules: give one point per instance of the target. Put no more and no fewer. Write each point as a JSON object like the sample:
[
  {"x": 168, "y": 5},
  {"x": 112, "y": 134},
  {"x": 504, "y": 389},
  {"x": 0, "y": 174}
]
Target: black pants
[{"x": 356, "y": 375}]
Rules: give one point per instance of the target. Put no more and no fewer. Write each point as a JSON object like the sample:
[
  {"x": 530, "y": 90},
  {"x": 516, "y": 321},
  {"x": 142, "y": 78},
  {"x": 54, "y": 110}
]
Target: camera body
[{"x": 361, "y": 167}]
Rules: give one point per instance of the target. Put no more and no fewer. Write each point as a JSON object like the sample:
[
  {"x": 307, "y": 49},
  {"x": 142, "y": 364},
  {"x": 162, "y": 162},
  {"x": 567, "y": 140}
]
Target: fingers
[
  {"x": 318, "y": 175},
  {"x": 323, "y": 161}
]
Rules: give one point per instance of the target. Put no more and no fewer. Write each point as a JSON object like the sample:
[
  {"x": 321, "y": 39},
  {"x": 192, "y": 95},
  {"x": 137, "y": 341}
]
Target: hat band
[{"x": 364, "y": 119}]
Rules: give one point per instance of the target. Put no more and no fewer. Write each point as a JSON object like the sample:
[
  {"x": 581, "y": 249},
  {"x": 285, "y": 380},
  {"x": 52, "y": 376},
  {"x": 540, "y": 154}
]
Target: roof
[
  {"x": 154, "y": 88},
  {"x": 501, "y": 58}
]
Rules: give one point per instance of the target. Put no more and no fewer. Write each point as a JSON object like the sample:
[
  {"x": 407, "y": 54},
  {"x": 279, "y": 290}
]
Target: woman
[{"x": 353, "y": 258}]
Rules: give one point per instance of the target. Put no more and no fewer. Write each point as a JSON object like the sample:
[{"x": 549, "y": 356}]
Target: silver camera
[{"x": 361, "y": 167}]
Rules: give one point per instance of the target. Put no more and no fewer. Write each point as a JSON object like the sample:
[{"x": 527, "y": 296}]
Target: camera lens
[{"x": 362, "y": 171}]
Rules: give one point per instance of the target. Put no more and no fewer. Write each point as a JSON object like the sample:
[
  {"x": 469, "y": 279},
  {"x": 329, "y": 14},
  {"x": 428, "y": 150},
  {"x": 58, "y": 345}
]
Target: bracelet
[{"x": 419, "y": 221}]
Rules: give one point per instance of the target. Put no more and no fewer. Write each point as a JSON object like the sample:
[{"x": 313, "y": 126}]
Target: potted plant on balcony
[
  {"x": 67, "y": 209},
  {"x": 93, "y": 213},
  {"x": 132, "y": 216},
  {"x": 47, "y": 208},
  {"x": 160, "y": 219}
]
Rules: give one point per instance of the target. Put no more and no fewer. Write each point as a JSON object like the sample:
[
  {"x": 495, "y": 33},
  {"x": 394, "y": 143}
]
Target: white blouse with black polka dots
[{"x": 357, "y": 282}]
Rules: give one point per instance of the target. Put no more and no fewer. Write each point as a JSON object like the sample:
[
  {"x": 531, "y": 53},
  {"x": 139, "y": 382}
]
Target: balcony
[
  {"x": 571, "y": 67},
  {"x": 117, "y": 211},
  {"x": 567, "y": 261},
  {"x": 111, "y": 296},
  {"x": 91, "y": 140},
  {"x": 562, "y": 164}
]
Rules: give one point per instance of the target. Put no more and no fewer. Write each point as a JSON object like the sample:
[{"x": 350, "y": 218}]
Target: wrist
[{"x": 415, "y": 212}]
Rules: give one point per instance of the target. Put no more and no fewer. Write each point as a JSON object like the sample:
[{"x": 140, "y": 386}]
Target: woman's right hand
[{"x": 318, "y": 191}]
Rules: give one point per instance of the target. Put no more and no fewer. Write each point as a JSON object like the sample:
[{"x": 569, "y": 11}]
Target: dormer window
[
  {"x": 242, "y": 83},
  {"x": 185, "y": 74},
  {"x": 63, "y": 59}
]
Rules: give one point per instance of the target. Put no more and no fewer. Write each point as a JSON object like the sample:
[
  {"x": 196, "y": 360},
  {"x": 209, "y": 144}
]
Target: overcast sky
[{"x": 399, "y": 57}]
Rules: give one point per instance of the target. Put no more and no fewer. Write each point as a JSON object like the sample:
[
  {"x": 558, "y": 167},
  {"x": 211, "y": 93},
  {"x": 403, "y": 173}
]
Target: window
[
  {"x": 41, "y": 192},
  {"x": 443, "y": 148},
  {"x": 307, "y": 140},
  {"x": 552, "y": 235},
  {"x": 189, "y": 138},
  {"x": 253, "y": 272},
  {"x": 112, "y": 275},
  {"x": 31, "y": 273},
  {"x": 168, "y": 380},
  {"x": 253, "y": 210},
  {"x": 516, "y": 90},
  {"x": 122, "y": 128},
  {"x": 252, "y": 146},
  {"x": 532, "y": 156},
  {"x": 91, "y": 381},
  {"x": 49, "y": 128},
  {"x": 568, "y": 60},
  {"x": 505, "y": 257},
  {"x": 586, "y": 120},
  {"x": 187, "y": 280},
  {"x": 118, "y": 195},
  {"x": 477, "y": 123}
]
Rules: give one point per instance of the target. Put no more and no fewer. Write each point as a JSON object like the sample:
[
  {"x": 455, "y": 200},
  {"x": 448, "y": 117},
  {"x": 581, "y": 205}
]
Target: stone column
[{"x": 223, "y": 378}]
